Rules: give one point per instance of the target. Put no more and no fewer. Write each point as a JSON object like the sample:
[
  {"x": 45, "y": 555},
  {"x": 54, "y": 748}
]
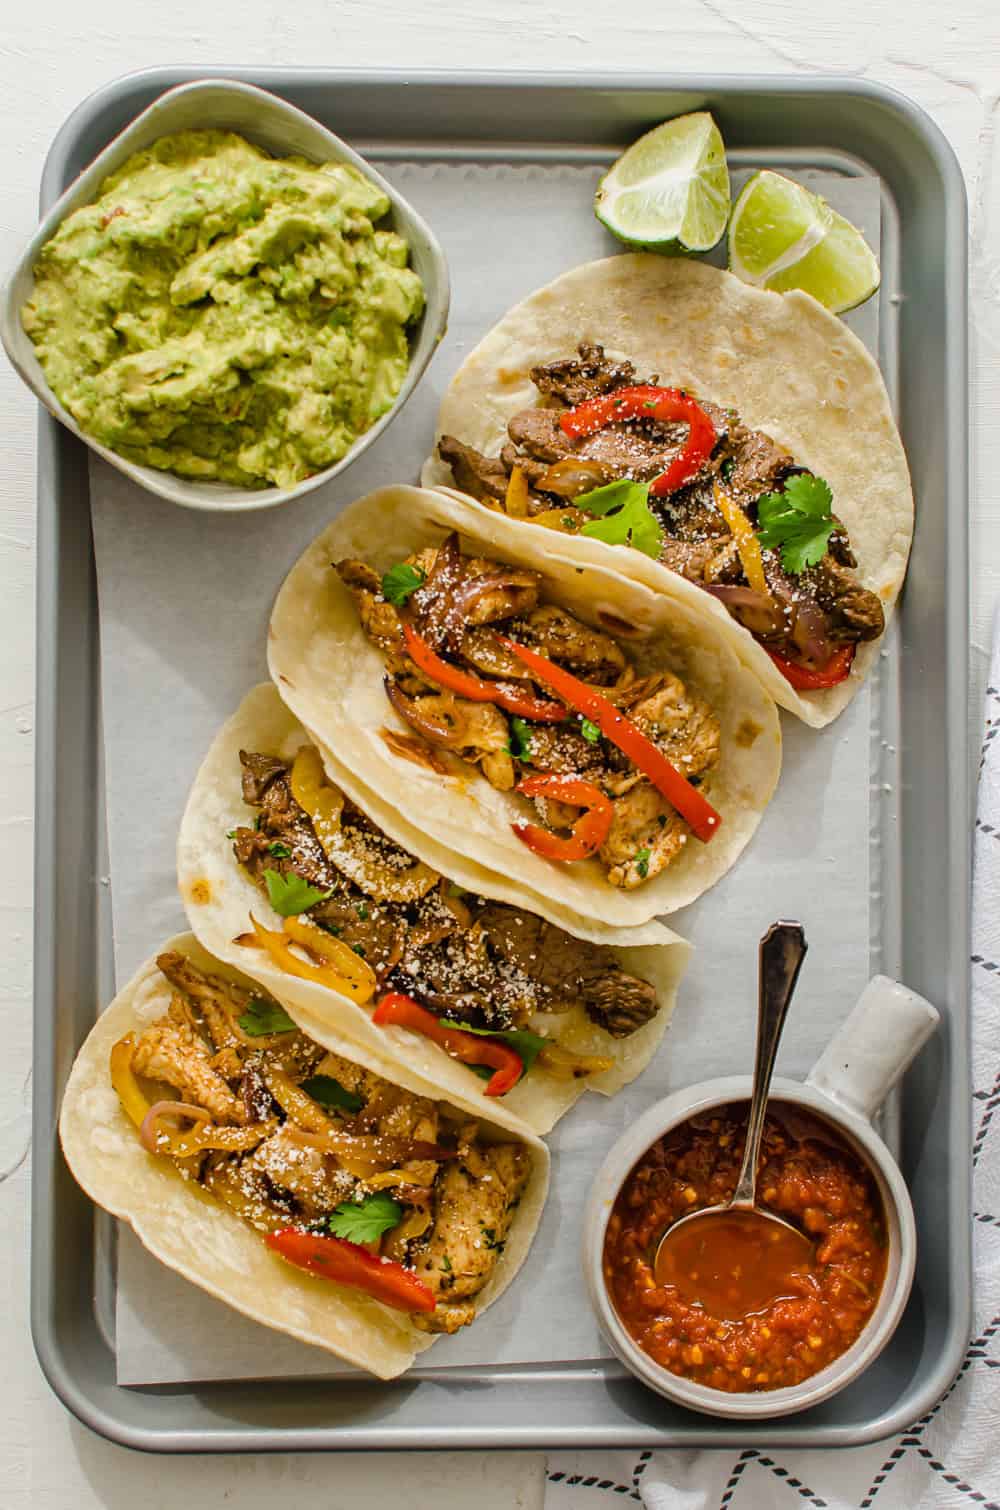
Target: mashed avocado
[{"x": 223, "y": 314}]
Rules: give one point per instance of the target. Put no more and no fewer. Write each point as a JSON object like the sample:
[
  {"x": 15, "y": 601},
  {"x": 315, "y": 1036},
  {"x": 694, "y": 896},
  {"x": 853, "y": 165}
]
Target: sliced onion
[
  {"x": 809, "y": 633},
  {"x": 571, "y": 477},
  {"x": 760, "y": 614},
  {"x": 435, "y": 730},
  {"x": 148, "y": 1131}
]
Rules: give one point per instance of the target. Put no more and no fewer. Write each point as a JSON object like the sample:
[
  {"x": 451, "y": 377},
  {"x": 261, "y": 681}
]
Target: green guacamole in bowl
[{"x": 226, "y": 315}]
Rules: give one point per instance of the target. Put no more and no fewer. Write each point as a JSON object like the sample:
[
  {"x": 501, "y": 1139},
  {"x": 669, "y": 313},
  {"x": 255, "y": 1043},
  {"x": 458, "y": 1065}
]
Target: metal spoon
[{"x": 782, "y": 950}]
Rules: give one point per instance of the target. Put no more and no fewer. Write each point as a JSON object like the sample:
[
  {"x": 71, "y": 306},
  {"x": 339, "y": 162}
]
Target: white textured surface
[{"x": 52, "y": 53}]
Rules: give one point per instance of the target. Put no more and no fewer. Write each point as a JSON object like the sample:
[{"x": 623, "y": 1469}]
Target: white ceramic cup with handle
[{"x": 845, "y": 1087}]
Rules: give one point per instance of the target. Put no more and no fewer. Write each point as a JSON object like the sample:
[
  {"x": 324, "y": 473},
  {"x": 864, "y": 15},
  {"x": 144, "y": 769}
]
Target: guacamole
[{"x": 226, "y": 315}]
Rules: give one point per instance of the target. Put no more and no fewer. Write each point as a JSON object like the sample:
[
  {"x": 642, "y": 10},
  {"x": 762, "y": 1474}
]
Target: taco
[
  {"x": 496, "y": 695},
  {"x": 321, "y": 1191},
  {"x": 289, "y": 872},
  {"x": 733, "y": 447}
]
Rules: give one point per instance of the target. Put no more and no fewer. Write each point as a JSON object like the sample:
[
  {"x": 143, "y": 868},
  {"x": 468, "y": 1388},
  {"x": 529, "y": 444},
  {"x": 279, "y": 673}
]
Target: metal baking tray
[{"x": 921, "y": 931}]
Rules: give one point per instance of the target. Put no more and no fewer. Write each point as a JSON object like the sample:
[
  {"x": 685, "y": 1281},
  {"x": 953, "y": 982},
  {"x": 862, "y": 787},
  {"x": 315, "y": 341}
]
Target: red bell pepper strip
[
  {"x": 475, "y": 688},
  {"x": 697, "y": 812},
  {"x": 589, "y": 831},
  {"x": 804, "y": 679},
  {"x": 350, "y": 1264},
  {"x": 648, "y": 402},
  {"x": 402, "y": 1011}
]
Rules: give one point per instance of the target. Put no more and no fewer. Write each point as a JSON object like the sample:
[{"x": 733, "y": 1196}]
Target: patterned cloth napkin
[{"x": 948, "y": 1459}]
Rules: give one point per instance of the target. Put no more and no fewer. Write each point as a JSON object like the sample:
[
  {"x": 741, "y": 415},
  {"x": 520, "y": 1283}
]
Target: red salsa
[{"x": 733, "y": 1301}]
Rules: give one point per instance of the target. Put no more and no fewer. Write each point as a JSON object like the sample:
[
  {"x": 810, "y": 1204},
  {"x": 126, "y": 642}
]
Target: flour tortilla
[
  {"x": 219, "y": 896},
  {"x": 206, "y": 1242},
  {"x": 331, "y": 677},
  {"x": 788, "y": 367}
]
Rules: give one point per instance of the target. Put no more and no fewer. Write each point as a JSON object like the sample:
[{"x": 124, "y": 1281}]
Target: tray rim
[{"x": 52, "y": 1353}]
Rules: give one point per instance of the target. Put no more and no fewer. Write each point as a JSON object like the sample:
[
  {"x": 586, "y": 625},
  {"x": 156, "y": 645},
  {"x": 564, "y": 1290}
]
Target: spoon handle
[{"x": 782, "y": 950}]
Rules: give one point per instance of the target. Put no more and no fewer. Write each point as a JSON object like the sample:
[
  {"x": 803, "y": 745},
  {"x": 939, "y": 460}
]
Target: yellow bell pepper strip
[
  {"x": 746, "y": 539},
  {"x": 697, "y": 812},
  {"x": 337, "y": 967},
  {"x": 324, "y": 805},
  {"x": 350, "y": 1264},
  {"x": 134, "y": 1103},
  {"x": 516, "y": 497},
  {"x": 648, "y": 402}
]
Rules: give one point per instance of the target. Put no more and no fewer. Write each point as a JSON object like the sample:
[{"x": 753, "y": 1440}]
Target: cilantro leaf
[
  {"x": 329, "y": 1092},
  {"x": 798, "y": 520},
  {"x": 519, "y": 744},
  {"x": 264, "y": 1016},
  {"x": 290, "y": 895},
  {"x": 642, "y": 862},
  {"x": 626, "y": 518},
  {"x": 590, "y": 731},
  {"x": 445, "y": 1263},
  {"x": 399, "y": 581},
  {"x": 365, "y": 1221},
  {"x": 279, "y": 851},
  {"x": 524, "y": 1043}
]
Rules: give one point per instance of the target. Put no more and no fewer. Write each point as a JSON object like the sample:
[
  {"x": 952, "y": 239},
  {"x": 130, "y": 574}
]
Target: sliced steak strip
[
  {"x": 484, "y": 477},
  {"x": 587, "y": 375}
]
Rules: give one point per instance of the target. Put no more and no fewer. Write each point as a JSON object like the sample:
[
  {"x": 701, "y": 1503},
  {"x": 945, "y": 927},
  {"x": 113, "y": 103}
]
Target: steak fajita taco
[
  {"x": 596, "y": 744},
  {"x": 331, "y": 1195},
  {"x": 731, "y": 446},
  {"x": 290, "y": 874}
]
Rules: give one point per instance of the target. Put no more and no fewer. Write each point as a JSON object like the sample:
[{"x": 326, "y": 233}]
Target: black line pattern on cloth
[
  {"x": 991, "y": 731},
  {"x": 987, "y": 828},
  {"x": 992, "y": 1103},
  {"x": 645, "y": 1458},
  {"x": 895, "y": 1456},
  {"x": 986, "y": 1218},
  {"x": 746, "y": 1456},
  {"x": 803, "y": 1490},
  {"x": 956, "y": 1482},
  {"x": 592, "y": 1481},
  {"x": 987, "y": 964}
]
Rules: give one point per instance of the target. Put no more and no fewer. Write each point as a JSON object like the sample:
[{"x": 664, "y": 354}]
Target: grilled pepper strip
[
  {"x": 747, "y": 543},
  {"x": 697, "y": 812},
  {"x": 464, "y": 684},
  {"x": 647, "y": 402},
  {"x": 589, "y": 831},
  {"x": 350, "y": 1264},
  {"x": 134, "y": 1103},
  {"x": 340, "y": 968},
  {"x": 804, "y": 679},
  {"x": 402, "y": 1011}
]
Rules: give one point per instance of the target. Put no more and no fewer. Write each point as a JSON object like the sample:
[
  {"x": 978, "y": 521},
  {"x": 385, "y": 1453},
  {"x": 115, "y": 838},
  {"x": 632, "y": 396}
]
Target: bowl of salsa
[{"x": 734, "y": 1315}]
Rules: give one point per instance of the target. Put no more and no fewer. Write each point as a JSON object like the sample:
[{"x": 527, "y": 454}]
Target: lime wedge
[
  {"x": 670, "y": 191},
  {"x": 782, "y": 237}
]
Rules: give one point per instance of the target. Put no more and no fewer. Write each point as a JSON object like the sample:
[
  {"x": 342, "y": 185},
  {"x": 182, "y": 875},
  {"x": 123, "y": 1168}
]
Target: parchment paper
[{"x": 184, "y": 601}]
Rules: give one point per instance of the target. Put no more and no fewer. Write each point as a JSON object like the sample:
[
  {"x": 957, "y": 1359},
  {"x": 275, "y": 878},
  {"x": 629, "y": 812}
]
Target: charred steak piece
[
  {"x": 484, "y": 477},
  {"x": 587, "y": 375},
  {"x": 570, "y": 969}
]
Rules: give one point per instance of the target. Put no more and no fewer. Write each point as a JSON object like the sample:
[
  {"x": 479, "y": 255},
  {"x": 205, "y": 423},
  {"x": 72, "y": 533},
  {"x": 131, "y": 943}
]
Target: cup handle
[{"x": 870, "y": 1051}]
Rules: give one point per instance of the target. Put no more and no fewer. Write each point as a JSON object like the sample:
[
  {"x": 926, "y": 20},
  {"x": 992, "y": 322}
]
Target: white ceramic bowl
[
  {"x": 845, "y": 1087},
  {"x": 270, "y": 123}
]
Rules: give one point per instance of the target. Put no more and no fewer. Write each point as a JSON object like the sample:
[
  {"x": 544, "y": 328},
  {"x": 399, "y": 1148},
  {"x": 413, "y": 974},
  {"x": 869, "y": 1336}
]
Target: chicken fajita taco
[
  {"x": 596, "y": 745},
  {"x": 332, "y": 1195},
  {"x": 731, "y": 446},
  {"x": 288, "y": 871}
]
